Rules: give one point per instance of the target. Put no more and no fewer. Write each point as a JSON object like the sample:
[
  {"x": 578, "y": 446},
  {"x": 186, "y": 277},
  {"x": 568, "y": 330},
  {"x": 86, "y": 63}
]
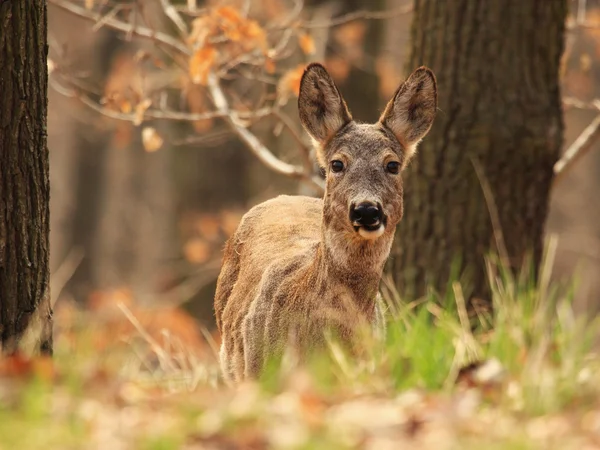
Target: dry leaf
[
  {"x": 230, "y": 221},
  {"x": 208, "y": 226},
  {"x": 201, "y": 63},
  {"x": 289, "y": 84},
  {"x": 197, "y": 103},
  {"x": 350, "y": 34},
  {"x": 307, "y": 44},
  {"x": 122, "y": 135},
  {"x": 151, "y": 139},
  {"x": 230, "y": 14},
  {"x": 140, "y": 109},
  {"x": 338, "y": 67},
  {"x": 125, "y": 106},
  {"x": 270, "y": 65},
  {"x": 196, "y": 251},
  {"x": 389, "y": 78},
  {"x": 201, "y": 29}
]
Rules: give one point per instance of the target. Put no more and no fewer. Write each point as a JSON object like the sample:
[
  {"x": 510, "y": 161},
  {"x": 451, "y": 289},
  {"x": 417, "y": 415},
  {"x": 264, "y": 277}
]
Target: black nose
[{"x": 367, "y": 214}]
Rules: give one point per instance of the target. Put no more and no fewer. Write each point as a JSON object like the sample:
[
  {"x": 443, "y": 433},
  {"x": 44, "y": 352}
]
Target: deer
[{"x": 294, "y": 260}]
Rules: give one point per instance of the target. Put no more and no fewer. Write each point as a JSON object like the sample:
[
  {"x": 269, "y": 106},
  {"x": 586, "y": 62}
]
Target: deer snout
[{"x": 366, "y": 214}]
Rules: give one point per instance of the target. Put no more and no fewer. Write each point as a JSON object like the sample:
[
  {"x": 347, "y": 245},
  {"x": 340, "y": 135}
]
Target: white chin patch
[{"x": 374, "y": 234}]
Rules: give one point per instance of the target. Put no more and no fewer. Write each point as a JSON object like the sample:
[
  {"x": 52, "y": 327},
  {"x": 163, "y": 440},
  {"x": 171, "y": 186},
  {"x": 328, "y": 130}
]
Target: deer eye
[
  {"x": 337, "y": 166},
  {"x": 393, "y": 167}
]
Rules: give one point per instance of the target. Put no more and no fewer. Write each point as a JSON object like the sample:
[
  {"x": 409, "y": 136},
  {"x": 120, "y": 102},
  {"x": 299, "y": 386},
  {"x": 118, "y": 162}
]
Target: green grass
[{"x": 538, "y": 386}]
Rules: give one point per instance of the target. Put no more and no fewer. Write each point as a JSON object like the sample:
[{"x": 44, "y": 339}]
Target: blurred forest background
[{"x": 140, "y": 211}]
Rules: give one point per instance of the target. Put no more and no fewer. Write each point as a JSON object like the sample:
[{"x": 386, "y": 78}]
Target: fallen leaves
[{"x": 19, "y": 366}]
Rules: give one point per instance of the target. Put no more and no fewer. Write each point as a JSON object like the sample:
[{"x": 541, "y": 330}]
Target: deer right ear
[
  {"x": 409, "y": 115},
  {"x": 322, "y": 109}
]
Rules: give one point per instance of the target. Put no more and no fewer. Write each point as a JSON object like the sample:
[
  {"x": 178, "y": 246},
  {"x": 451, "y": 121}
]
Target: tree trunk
[
  {"x": 497, "y": 65},
  {"x": 25, "y": 309}
]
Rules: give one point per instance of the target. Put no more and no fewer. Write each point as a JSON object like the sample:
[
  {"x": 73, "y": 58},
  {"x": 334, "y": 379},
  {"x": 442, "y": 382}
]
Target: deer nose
[{"x": 366, "y": 213}]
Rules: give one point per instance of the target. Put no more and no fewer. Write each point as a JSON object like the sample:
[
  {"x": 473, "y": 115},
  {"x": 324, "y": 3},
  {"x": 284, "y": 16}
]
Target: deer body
[{"x": 298, "y": 265}]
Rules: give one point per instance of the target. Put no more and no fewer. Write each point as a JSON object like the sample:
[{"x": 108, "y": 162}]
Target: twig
[
  {"x": 155, "y": 113},
  {"x": 575, "y": 102},
  {"x": 260, "y": 151},
  {"x": 251, "y": 141},
  {"x": 359, "y": 15},
  {"x": 493, "y": 211},
  {"x": 65, "y": 271},
  {"x": 577, "y": 149},
  {"x": 581, "y": 9},
  {"x": 287, "y": 123},
  {"x": 136, "y": 30},
  {"x": 173, "y": 14}
]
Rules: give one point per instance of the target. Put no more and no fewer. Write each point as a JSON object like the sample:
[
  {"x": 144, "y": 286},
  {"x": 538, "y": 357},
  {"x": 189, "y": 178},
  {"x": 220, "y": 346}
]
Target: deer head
[{"x": 363, "y": 162}]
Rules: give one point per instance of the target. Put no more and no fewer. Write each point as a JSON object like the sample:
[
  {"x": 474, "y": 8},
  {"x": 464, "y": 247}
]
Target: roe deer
[{"x": 294, "y": 258}]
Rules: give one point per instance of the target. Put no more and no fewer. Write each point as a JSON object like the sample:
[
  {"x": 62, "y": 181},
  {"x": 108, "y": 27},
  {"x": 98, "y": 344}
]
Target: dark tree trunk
[
  {"x": 497, "y": 65},
  {"x": 24, "y": 183}
]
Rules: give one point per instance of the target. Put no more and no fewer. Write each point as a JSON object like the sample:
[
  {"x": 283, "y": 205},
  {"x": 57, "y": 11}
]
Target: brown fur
[{"x": 297, "y": 265}]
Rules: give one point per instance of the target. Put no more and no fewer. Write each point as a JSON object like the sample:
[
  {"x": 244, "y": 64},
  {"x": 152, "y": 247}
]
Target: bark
[
  {"x": 24, "y": 181},
  {"x": 497, "y": 65}
]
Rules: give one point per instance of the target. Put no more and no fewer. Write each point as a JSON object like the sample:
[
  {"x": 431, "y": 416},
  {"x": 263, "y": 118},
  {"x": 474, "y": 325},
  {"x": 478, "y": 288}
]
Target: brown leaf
[
  {"x": 196, "y": 251},
  {"x": 208, "y": 226},
  {"x": 270, "y": 66},
  {"x": 289, "y": 84},
  {"x": 140, "y": 110},
  {"x": 230, "y": 221},
  {"x": 201, "y": 63},
  {"x": 197, "y": 102},
  {"x": 151, "y": 140},
  {"x": 338, "y": 67},
  {"x": 307, "y": 43}
]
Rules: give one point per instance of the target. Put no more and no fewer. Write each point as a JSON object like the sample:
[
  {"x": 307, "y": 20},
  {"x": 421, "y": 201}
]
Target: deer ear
[
  {"x": 410, "y": 113},
  {"x": 322, "y": 109}
]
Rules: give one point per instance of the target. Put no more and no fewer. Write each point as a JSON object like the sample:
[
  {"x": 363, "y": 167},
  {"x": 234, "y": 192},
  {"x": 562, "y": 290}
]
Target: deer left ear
[
  {"x": 322, "y": 109},
  {"x": 409, "y": 115}
]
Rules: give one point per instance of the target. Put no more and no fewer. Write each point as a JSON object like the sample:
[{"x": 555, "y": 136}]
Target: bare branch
[
  {"x": 251, "y": 141},
  {"x": 173, "y": 14},
  {"x": 155, "y": 113},
  {"x": 287, "y": 123},
  {"x": 135, "y": 30},
  {"x": 359, "y": 15},
  {"x": 577, "y": 149},
  {"x": 576, "y": 103}
]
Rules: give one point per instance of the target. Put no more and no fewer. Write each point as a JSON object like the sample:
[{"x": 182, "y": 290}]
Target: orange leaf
[
  {"x": 290, "y": 82},
  {"x": 270, "y": 65},
  {"x": 229, "y": 13},
  {"x": 208, "y": 226},
  {"x": 230, "y": 221},
  {"x": 151, "y": 139},
  {"x": 201, "y": 63},
  {"x": 125, "y": 106},
  {"x": 338, "y": 67},
  {"x": 196, "y": 251},
  {"x": 307, "y": 44},
  {"x": 140, "y": 109}
]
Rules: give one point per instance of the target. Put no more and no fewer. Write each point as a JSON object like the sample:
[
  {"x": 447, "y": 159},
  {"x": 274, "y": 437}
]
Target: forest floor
[{"x": 127, "y": 378}]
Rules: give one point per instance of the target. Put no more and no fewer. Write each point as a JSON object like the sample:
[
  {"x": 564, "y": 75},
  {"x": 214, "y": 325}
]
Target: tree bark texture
[
  {"x": 497, "y": 67},
  {"x": 25, "y": 309}
]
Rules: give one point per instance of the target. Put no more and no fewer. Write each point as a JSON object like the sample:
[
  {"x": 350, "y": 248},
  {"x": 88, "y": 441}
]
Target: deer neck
[{"x": 357, "y": 264}]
